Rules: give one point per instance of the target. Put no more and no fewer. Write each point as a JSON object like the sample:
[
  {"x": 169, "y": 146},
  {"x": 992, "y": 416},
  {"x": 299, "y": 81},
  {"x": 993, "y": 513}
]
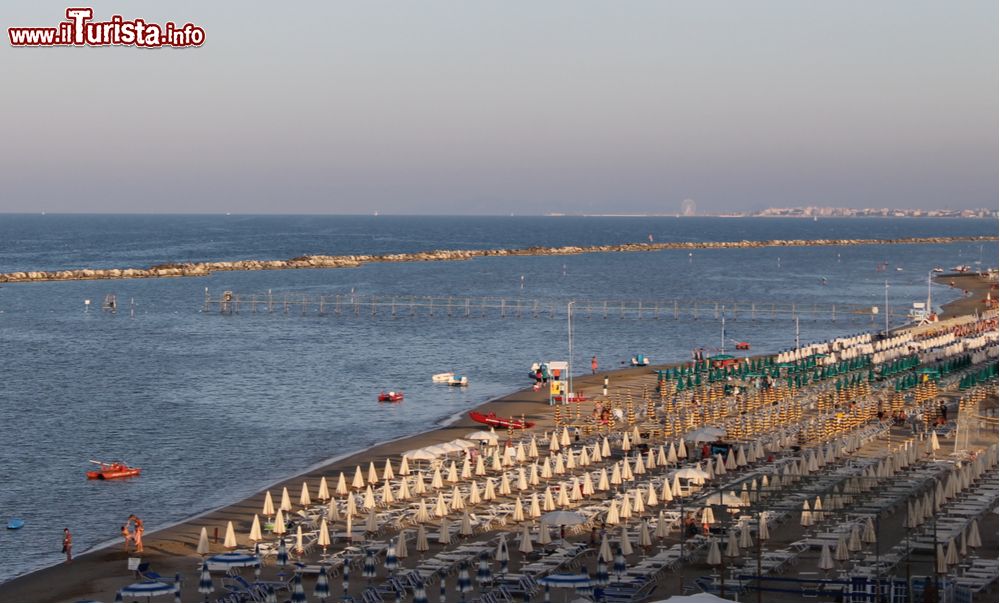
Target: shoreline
[
  {"x": 102, "y": 569},
  {"x": 204, "y": 269}
]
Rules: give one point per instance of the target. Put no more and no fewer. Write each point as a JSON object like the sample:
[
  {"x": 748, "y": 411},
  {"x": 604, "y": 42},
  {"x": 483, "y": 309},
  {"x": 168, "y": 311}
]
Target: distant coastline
[{"x": 203, "y": 269}]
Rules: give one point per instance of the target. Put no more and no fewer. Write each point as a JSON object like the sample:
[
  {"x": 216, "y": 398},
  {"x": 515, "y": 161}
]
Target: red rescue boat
[
  {"x": 390, "y": 397},
  {"x": 112, "y": 470},
  {"x": 491, "y": 419},
  {"x": 743, "y": 346}
]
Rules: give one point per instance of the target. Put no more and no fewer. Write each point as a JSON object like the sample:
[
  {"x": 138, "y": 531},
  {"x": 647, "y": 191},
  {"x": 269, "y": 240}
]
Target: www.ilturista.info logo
[{"x": 79, "y": 29}]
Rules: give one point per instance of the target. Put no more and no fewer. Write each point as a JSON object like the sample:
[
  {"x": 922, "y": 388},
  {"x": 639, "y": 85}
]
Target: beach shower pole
[
  {"x": 928, "y": 311},
  {"x": 569, "y": 364},
  {"x": 887, "y": 308},
  {"x": 796, "y": 332},
  {"x": 723, "y": 329}
]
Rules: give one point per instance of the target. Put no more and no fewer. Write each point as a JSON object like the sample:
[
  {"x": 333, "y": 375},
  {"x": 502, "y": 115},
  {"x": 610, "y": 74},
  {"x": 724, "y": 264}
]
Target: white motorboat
[
  {"x": 458, "y": 380},
  {"x": 442, "y": 377}
]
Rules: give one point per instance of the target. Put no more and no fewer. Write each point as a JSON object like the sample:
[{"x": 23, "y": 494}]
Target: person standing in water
[
  {"x": 68, "y": 545},
  {"x": 593, "y": 365}
]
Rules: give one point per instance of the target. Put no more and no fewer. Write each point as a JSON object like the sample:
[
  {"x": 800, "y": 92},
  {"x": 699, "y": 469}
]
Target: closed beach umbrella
[
  {"x": 371, "y": 523},
  {"x": 298, "y": 592},
  {"x": 299, "y": 545},
  {"x": 255, "y": 532},
  {"x": 268, "y": 510},
  {"x": 205, "y": 584},
  {"x": 626, "y": 542},
  {"x": 324, "y": 535},
  {"x": 732, "y": 545},
  {"x": 546, "y": 468},
  {"x": 525, "y": 546},
  {"x": 533, "y": 478},
  {"x": 282, "y": 556},
  {"x": 818, "y": 510},
  {"x": 563, "y": 495},
  {"x": 422, "y": 545},
  {"x": 807, "y": 517},
  {"x": 651, "y": 499},
  {"x": 489, "y": 493},
  {"x": 549, "y": 502},
  {"x": 639, "y": 467},
  {"x": 536, "y": 508},
  {"x": 651, "y": 459},
  {"x": 421, "y": 514},
  {"x": 842, "y": 552},
  {"x": 544, "y": 537},
  {"x": 453, "y": 473},
  {"x": 603, "y": 484},
  {"x": 444, "y": 532},
  {"x": 595, "y": 455},
  {"x": 627, "y": 471},
  {"x": 714, "y": 555},
  {"x": 564, "y": 438},
  {"x": 403, "y": 493},
  {"x": 504, "y": 485},
  {"x": 420, "y": 485},
  {"x": 404, "y": 466},
  {"x": 230, "y": 540},
  {"x": 369, "y": 503},
  {"x": 387, "y": 473},
  {"x": 401, "y": 551},
  {"x": 825, "y": 559},
  {"x": 520, "y": 454},
  {"x": 553, "y": 443},
  {"x": 973, "y": 538},
  {"x": 440, "y": 508},
  {"x": 682, "y": 452},
  {"x": 940, "y": 562},
  {"x": 304, "y": 498},
  {"x": 662, "y": 529},
  {"x": 464, "y": 582},
  {"x": 616, "y": 474},
  {"x": 349, "y": 527},
  {"x": 644, "y": 539},
  {"x": 387, "y": 497},
  {"x": 279, "y": 523},
  {"x": 341, "y": 488},
  {"x": 436, "y": 481},
  {"x": 588, "y": 485},
  {"x": 951, "y": 556},
  {"x": 322, "y": 590},
  {"x": 707, "y": 515},
  {"x": 518, "y": 515},
  {"x": 391, "y": 560},
  {"x": 671, "y": 457},
  {"x": 666, "y": 493},
  {"x": 605, "y": 448},
  {"x": 626, "y": 442},
  {"x": 352, "y": 505},
  {"x": 484, "y": 574},
  {"x": 466, "y": 528},
  {"x": 369, "y": 571},
  {"x": 286, "y": 500},
  {"x": 746, "y": 540},
  {"x": 584, "y": 457},
  {"x": 522, "y": 479},
  {"x": 854, "y": 541},
  {"x": 604, "y": 552},
  {"x": 637, "y": 505},
  {"x": 457, "y": 500},
  {"x": 503, "y": 555},
  {"x": 869, "y": 535},
  {"x": 613, "y": 517},
  {"x": 372, "y": 473}
]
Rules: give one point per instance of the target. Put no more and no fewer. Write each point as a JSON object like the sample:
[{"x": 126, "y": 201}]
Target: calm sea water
[{"x": 216, "y": 407}]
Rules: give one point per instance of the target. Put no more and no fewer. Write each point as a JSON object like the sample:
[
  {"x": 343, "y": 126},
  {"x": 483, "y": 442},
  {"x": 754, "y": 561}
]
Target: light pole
[
  {"x": 887, "y": 308},
  {"x": 569, "y": 363},
  {"x": 928, "y": 311}
]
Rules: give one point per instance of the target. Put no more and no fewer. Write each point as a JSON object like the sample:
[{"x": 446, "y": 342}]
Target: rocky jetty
[{"x": 202, "y": 269}]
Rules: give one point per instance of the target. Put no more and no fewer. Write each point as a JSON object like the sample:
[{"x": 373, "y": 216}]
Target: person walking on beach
[
  {"x": 68, "y": 545},
  {"x": 593, "y": 365},
  {"x": 137, "y": 537}
]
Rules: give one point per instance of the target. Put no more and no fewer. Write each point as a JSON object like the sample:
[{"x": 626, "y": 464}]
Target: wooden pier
[{"x": 468, "y": 307}]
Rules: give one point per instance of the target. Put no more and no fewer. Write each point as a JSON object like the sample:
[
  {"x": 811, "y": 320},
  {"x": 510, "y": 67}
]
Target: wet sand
[{"x": 99, "y": 574}]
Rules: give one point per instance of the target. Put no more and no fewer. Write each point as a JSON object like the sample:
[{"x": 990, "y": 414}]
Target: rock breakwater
[{"x": 202, "y": 269}]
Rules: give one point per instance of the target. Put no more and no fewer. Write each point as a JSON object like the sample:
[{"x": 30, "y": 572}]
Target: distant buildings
[{"x": 810, "y": 211}]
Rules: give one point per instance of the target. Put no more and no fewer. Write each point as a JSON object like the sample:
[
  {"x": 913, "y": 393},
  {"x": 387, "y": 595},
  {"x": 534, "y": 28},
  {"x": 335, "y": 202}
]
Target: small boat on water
[
  {"x": 743, "y": 346},
  {"x": 441, "y": 378},
  {"x": 937, "y": 269},
  {"x": 491, "y": 419},
  {"x": 14, "y": 524},
  {"x": 639, "y": 360},
  {"x": 962, "y": 268},
  {"x": 458, "y": 380},
  {"x": 112, "y": 470},
  {"x": 390, "y": 397}
]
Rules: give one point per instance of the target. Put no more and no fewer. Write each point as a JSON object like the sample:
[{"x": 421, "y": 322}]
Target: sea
[{"x": 215, "y": 406}]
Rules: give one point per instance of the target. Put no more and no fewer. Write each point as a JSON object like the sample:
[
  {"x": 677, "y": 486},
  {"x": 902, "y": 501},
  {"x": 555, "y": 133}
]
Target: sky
[{"x": 526, "y": 107}]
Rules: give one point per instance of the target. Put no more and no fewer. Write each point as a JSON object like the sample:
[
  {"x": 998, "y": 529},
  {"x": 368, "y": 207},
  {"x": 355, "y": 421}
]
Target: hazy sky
[{"x": 507, "y": 106}]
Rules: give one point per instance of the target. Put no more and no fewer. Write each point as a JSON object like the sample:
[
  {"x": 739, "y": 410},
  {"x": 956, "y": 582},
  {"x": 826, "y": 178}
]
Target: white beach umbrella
[
  {"x": 570, "y": 459},
  {"x": 544, "y": 537},
  {"x": 707, "y": 515},
  {"x": 637, "y": 505},
  {"x": 730, "y": 463},
  {"x": 522, "y": 479},
  {"x": 453, "y": 472},
  {"x": 973, "y": 537},
  {"x": 546, "y": 468},
  {"x": 505, "y": 485},
  {"x": 818, "y": 510},
  {"x": 584, "y": 457},
  {"x": 548, "y": 503},
  {"x": 349, "y": 527},
  {"x": 732, "y": 544},
  {"x": 603, "y": 484},
  {"x": 372, "y": 473},
  {"x": 444, "y": 535},
  {"x": 854, "y": 541},
  {"x": 825, "y": 559},
  {"x": 286, "y": 500},
  {"x": 714, "y": 557},
  {"x": 422, "y": 515},
  {"x": 575, "y": 491},
  {"x": 387, "y": 473},
  {"x": 616, "y": 474},
  {"x": 533, "y": 478},
  {"x": 299, "y": 545},
  {"x": 387, "y": 497},
  {"x": 644, "y": 538},
  {"x": 613, "y": 517},
  {"x": 457, "y": 499},
  {"x": 255, "y": 532},
  {"x": 746, "y": 540},
  {"x": 203, "y": 547},
  {"x": 940, "y": 561},
  {"x": 421, "y": 544},
  {"x": 682, "y": 452},
  {"x": 518, "y": 515},
  {"x": 341, "y": 488},
  {"x": 495, "y": 464},
  {"x": 369, "y": 502},
  {"x": 720, "y": 465},
  {"x": 466, "y": 468},
  {"x": 627, "y": 470},
  {"x": 403, "y": 492},
  {"x": 553, "y": 442},
  {"x": 268, "y": 505},
  {"x": 626, "y": 542},
  {"x": 662, "y": 528},
  {"x": 520, "y": 454},
  {"x": 480, "y": 466},
  {"x": 352, "y": 505},
  {"x": 626, "y": 442},
  {"x": 466, "y": 528},
  {"x": 807, "y": 517},
  {"x": 420, "y": 485},
  {"x": 404, "y": 468},
  {"x": 605, "y": 448},
  {"x": 650, "y": 459},
  {"x": 763, "y": 532},
  {"x": 475, "y": 497},
  {"x": 437, "y": 482},
  {"x": 564, "y": 437},
  {"x": 489, "y": 494},
  {"x": 559, "y": 468},
  {"x": 639, "y": 467},
  {"x": 588, "y": 485},
  {"x": 279, "y": 523},
  {"x": 324, "y": 535},
  {"x": 359, "y": 479},
  {"x": 869, "y": 535},
  {"x": 595, "y": 455},
  {"x": 324, "y": 490},
  {"x": 371, "y": 523},
  {"x": 440, "y": 508},
  {"x": 951, "y": 555},
  {"x": 666, "y": 493},
  {"x": 536, "y": 508},
  {"x": 626, "y": 507},
  {"x": 651, "y": 498},
  {"x": 671, "y": 454},
  {"x": 533, "y": 447},
  {"x": 304, "y": 499},
  {"x": 525, "y": 546}
]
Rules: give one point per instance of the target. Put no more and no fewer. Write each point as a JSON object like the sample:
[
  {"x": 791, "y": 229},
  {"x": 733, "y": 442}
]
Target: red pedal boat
[
  {"x": 491, "y": 419},
  {"x": 390, "y": 397},
  {"x": 112, "y": 470}
]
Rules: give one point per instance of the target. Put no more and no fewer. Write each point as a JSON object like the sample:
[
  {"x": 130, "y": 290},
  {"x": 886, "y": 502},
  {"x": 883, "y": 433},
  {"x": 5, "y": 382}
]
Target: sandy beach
[{"x": 99, "y": 574}]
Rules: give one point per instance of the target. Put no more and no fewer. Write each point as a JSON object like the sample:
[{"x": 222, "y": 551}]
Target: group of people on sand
[{"x": 132, "y": 532}]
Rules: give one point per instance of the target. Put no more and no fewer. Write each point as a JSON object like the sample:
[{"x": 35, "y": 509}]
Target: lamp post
[{"x": 569, "y": 364}]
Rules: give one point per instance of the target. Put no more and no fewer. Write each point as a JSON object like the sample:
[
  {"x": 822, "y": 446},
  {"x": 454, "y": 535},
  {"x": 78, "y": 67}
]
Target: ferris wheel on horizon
[{"x": 689, "y": 207}]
